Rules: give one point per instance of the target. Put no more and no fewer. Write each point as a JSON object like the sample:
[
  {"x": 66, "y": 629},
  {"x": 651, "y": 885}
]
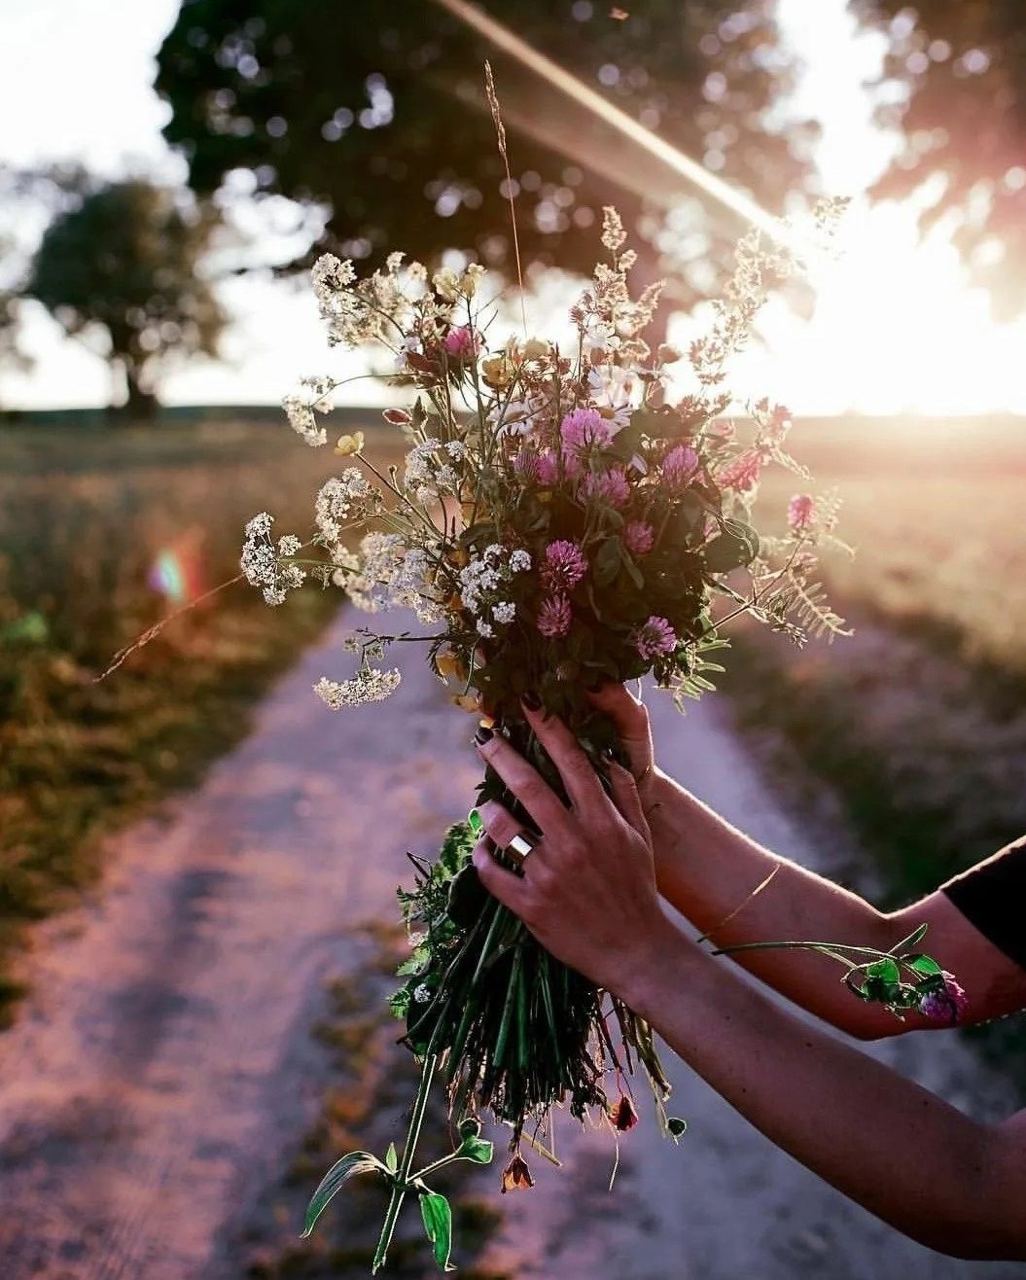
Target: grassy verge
[{"x": 102, "y": 533}]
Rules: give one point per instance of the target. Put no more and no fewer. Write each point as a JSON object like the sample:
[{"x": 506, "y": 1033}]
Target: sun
[{"x": 896, "y": 328}]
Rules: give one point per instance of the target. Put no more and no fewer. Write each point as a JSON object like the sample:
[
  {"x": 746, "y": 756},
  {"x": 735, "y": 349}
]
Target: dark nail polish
[
  {"x": 531, "y": 701},
  {"x": 483, "y": 735}
]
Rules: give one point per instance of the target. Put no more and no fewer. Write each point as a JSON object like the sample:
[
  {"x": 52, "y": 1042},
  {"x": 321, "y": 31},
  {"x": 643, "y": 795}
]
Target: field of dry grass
[{"x": 100, "y": 530}]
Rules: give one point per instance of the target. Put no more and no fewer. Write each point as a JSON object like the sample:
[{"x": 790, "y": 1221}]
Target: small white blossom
[
  {"x": 616, "y": 392},
  {"x": 428, "y": 474},
  {"x": 480, "y": 576},
  {"x": 421, "y": 994},
  {"x": 368, "y": 685},
  {"x": 302, "y": 421},
  {"x": 263, "y": 566},
  {"x": 520, "y": 561},
  {"x": 505, "y": 611},
  {"x": 485, "y": 629},
  {"x": 344, "y": 498}
]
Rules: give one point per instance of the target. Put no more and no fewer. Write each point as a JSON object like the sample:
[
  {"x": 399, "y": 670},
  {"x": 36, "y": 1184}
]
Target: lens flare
[
  {"x": 175, "y": 573},
  {"x": 674, "y": 159}
]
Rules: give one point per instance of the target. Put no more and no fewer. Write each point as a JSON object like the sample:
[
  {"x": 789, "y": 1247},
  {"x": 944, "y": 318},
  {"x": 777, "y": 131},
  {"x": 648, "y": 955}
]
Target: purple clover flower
[
  {"x": 656, "y": 639},
  {"x": 564, "y": 567}
]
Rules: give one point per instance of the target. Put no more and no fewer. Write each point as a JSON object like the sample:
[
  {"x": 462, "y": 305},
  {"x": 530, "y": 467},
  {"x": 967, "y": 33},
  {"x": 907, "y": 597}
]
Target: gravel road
[{"x": 163, "y": 1066}]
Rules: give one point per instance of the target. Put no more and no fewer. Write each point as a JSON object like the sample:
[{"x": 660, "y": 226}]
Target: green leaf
[
  {"x": 480, "y": 1150},
  {"x": 391, "y": 1158},
  {"x": 911, "y": 942},
  {"x": 886, "y": 970},
  {"x": 437, "y": 1215},
  {"x": 633, "y": 572},
  {"x": 736, "y": 546},
  {"x": 925, "y": 965},
  {"x": 336, "y": 1177},
  {"x": 607, "y": 562}
]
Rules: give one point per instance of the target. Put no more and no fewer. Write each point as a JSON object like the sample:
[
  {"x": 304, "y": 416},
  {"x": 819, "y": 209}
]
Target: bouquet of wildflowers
[{"x": 558, "y": 522}]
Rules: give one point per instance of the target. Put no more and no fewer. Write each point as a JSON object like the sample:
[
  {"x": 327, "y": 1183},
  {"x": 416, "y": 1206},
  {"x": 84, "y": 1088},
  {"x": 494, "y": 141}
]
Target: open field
[{"x": 103, "y": 531}]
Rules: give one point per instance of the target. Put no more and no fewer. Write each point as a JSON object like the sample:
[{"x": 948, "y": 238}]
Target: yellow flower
[
  {"x": 535, "y": 349},
  {"x": 446, "y": 284},
  {"x": 498, "y": 371},
  {"x": 468, "y": 702},
  {"x": 468, "y": 283},
  {"x": 348, "y": 445},
  {"x": 450, "y": 664}
]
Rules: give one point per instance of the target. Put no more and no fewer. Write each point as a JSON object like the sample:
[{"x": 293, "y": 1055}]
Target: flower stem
[{"x": 401, "y": 1182}]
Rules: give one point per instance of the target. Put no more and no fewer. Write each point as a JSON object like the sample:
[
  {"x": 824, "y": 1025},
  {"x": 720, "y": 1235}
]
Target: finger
[
  {"x": 500, "y": 824},
  {"x": 630, "y": 719},
  {"x": 576, "y": 770},
  {"x": 626, "y": 798},
  {"x": 509, "y": 888},
  {"x": 537, "y": 797}
]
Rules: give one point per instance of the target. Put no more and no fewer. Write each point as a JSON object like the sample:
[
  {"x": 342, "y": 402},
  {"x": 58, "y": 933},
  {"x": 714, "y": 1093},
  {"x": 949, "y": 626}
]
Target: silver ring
[{"x": 520, "y": 847}]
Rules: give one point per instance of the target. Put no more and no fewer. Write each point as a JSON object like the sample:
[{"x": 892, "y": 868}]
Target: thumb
[{"x": 630, "y": 718}]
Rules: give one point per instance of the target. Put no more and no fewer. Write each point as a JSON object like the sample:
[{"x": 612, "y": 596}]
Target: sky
[{"x": 895, "y": 326}]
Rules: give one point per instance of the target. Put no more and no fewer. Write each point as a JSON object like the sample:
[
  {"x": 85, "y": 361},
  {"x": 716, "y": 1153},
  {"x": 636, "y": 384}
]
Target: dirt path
[{"x": 163, "y": 1066}]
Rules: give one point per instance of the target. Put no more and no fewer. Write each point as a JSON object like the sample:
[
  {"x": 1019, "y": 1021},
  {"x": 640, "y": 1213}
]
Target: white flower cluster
[
  {"x": 368, "y": 685},
  {"x": 429, "y": 470},
  {"x": 266, "y": 567},
  {"x": 299, "y": 406},
  {"x": 340, "y": 307},
  {"x": 481, "y": 580},
  {"x": 359, "y": 311},
  {"x": 387, "y": 572},
  {"x": 342, "y": 499}
]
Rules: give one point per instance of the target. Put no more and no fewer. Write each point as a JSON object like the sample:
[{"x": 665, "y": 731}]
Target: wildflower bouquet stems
[{"x": 560, "y": 521}]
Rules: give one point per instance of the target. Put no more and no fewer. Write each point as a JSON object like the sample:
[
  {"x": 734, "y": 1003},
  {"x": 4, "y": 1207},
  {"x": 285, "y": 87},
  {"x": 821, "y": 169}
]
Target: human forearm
[
  {"x": 710, "y": 872},
  {"x": 902, "y": 1153}
]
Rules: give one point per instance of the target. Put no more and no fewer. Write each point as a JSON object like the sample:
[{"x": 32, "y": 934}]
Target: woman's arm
[
  {"x": 588, "y": 893},
  {"x": 899, "y": 1151},
  {"x": 709, "y": 871}
]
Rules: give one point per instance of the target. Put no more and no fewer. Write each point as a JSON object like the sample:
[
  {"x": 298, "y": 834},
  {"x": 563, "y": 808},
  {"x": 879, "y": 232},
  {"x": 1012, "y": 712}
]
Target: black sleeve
[{"x": 992, "y": 897}]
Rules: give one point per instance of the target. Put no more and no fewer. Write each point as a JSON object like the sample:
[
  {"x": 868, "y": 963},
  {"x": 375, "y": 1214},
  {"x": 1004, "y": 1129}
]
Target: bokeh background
[{"x": 168, "y": 173}]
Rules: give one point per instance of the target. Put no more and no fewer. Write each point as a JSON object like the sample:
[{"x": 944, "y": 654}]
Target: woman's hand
[
  {"x": 630, "y": 718},
  {"x": 588, "y": 890}
]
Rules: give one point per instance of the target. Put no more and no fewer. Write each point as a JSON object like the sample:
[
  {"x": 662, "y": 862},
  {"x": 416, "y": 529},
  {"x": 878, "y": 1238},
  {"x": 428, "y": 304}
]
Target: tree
[
  {"x": 377, "y": 113},
  {"x": 959, "y": 71},
  {"x": 120, "y": 270},
  {"x": 12, "y": 356}
]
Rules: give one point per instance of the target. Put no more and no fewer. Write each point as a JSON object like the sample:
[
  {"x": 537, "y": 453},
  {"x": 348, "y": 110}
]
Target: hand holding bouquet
[{"x": 558, "y": 524}]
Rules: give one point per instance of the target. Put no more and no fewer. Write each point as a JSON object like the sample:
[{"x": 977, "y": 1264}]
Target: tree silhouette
[
  {"x": 377, "y": 112},
  {"x": 960, "y": 68},
  {"x": 119, "y": 270}
]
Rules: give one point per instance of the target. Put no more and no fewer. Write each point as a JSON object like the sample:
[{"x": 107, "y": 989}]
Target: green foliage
[
  {"x": 381, "y": 115},
  {"x": 124, "y": 265},
  {"x": 736, "y": 547},
  {"x": 334, "y": 1180},
  {"x": 437, "y": 1215}
]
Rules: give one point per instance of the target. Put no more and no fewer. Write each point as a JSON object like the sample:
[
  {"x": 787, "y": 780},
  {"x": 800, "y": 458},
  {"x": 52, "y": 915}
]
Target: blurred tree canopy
[
  {"x": 960, "y": 70},
  {"x": 376, "y": 112},
  {"x": 121, "y": 266}
]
